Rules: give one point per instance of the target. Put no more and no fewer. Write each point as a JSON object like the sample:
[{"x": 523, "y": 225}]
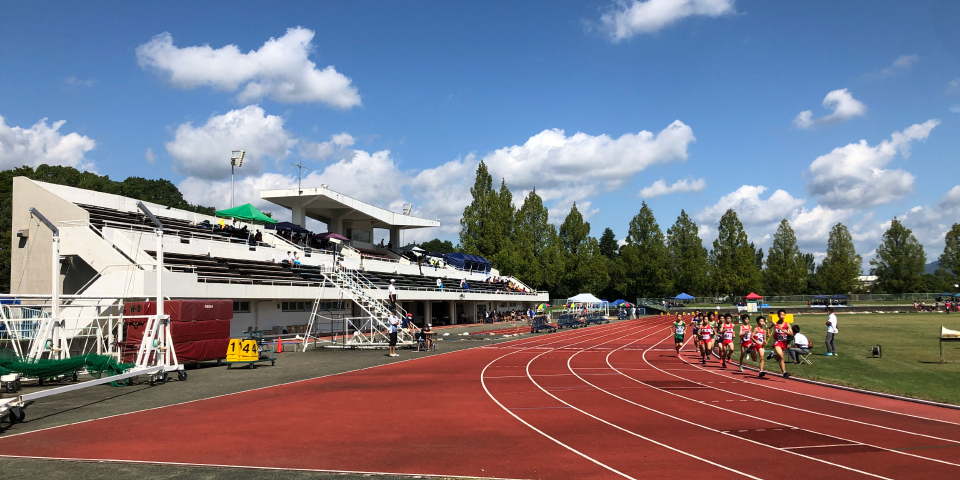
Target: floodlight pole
[
  {"x": 236, "y": 160},
  {"x": 57, "y": 340}
]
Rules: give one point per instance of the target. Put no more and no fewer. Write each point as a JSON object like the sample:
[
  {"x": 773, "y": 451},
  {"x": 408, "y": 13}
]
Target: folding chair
[{"x": 805, "y": 358}]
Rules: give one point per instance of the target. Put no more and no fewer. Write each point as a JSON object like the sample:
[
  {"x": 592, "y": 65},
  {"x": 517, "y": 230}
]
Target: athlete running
[
  {"x": 781, "y": 340},
  {"x": 759, "y": 341},
  {"x": 697, "y": 320},
  {"x": 726, "y": 338},
  {"x": 707, "y": 333},
  {"x": 746, "y": 338},
  {"x": 679, "y": 328}
]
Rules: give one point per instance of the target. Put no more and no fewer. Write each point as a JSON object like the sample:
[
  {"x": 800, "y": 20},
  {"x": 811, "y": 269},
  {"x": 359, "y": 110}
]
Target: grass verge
[{"x": 910, "y": 365}]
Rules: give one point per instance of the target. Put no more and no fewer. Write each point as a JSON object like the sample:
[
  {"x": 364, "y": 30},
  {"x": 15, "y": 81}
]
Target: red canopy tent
[{"x": 753, "y": 296}]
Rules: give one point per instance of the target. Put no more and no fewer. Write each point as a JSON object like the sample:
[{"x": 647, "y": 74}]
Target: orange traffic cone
[{"x": 279, "y": 348}]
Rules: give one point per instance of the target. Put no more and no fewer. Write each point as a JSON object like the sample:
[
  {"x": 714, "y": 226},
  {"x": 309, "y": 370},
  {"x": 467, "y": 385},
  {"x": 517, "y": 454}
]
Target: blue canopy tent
[
  {"x": 684, "y": 296},
  {"x": 946, "y": 294},
  {"x": 838, "y": 297},
  {"x": 820, "y": 297},
  {"x": 465, "y": 261}
]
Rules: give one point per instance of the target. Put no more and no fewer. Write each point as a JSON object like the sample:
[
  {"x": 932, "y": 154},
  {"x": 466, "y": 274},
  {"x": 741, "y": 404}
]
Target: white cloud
[
  {"x": 844, "y": 108},
  {"x": 760, "y": 217},
  {"x": 626, "y": 19},
  {"x": 204, "y": 151},
  {"x": 853, "y": 176},
  {"x": 952, "y": 198},
  {"x": 338, "y": 143},
  {"x": 563, "y": 169},
  {"x": 660, "y": 188},
  {"x": 901, "y": 64},
  {"x": 751, "y": 209},
  {"x": 150, "y": 156},
  {"x": 280, "y": 69},
  {"x": 41, "y": 144},
  {"x": 955, "y": 109},
  {"x": 953, "y": 85},
  {"x": 442, "y": 192},
  {"x": 76, "y": 82}
]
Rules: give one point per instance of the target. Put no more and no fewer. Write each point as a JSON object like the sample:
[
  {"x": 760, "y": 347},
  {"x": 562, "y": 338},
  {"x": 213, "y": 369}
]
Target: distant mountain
[{"x": 932, "y": 267}]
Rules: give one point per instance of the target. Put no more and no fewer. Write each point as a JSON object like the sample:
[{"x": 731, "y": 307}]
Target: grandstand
[{"x": 108, "y": 250}]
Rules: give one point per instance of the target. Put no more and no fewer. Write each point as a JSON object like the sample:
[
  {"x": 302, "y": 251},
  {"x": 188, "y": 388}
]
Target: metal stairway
[{"x": 372, "y": 331}]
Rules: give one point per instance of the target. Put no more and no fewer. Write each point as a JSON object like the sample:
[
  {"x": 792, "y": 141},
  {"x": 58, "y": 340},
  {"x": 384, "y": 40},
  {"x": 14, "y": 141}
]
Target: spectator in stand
[
  {"x": 464, "y": 285},
  {"x": 392, "y": 294},
  {"x": 289, "y": 259},
  {"x": 801, "y": 345},
  {"x": 440, "y": 284},
  {"x": 296, "y": 260},
  {"x": 258, "y": 237},
  {"x": 831, "y": 331}
]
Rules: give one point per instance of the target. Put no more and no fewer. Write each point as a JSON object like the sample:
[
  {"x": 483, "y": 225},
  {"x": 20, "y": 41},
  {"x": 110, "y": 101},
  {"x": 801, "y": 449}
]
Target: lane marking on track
[
  {"x": 822, "y": 446},
  {"x": 893, "y": 412},
  {"x": 541, "y": 432},
  {"x": 520, "y": 341},
  {"x": 682, "y": 452},
  {"x": 254, "y": 467},
  {"x": 701, "y": 425},
  {"x": 737, "y": 380},
  {"x": 787, "y": 425}
]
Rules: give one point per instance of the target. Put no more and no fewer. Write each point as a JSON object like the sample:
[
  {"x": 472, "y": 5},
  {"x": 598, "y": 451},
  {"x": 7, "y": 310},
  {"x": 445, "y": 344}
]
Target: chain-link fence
[{"x": 851, "y": 298}]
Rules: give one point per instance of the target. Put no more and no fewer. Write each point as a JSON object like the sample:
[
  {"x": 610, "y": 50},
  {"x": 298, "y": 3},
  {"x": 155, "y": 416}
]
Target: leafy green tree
[
  {"x": 949, "y": 269},
  {"x": 437, "y": 245},
  {"x": 733, "y": 260},
  {"x": 584, "y": 267},
  {"x": 644, "y": 258},
  {"x": 477, "y": 224},
  {"x": 688, "y": 258},
  {"x": 608, "y": 244},
  {"x": 503, "y": 221},
  {"x": 786, "y": 272},
  {"x": 900, "y": 261},
  {"x": 812, "y": 284},
  {"x": 533, "y": 238},
  {"x": 840, "y": 272}
]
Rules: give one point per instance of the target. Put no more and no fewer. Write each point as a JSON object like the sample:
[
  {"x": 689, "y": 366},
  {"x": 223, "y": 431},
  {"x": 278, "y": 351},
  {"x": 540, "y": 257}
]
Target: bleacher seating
[
  {"x": 374, "y": 254},
  {"x": 101, "y": 216}
]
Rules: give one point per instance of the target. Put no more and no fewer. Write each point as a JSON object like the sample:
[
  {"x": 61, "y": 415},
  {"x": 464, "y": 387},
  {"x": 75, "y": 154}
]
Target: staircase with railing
[{"x": 354, "y": 286}]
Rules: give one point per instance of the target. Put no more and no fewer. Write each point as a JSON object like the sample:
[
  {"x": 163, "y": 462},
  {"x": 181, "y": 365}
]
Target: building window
[
  {"x": 296, "y": 306},
  {"x": 241, "y": 307}
]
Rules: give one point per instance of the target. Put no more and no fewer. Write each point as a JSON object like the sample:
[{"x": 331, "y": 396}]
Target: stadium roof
[{"x": 327, "y": 206}]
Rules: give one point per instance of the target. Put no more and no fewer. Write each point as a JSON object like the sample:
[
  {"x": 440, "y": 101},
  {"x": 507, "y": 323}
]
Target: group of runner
[{"x": 714, "y": 334}]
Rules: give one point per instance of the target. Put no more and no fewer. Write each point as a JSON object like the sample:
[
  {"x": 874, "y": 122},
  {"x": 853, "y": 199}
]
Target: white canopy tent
[{"x": 584, "y": 298}]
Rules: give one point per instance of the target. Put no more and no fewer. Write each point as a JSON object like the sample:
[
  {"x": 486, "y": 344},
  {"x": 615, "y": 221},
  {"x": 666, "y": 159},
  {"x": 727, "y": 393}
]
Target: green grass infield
[{"x": 910, "y": 365}]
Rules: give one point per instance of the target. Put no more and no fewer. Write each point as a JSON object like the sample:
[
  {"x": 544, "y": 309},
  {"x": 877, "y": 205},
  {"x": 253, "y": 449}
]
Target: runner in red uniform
[
  {"x": 746, "y": 338},
  {"x": 759, "y": 340},
  {"x": 781, "y": 340},
  {"x": 707, "y": 334},
  {"x": 726, "y": 339}
]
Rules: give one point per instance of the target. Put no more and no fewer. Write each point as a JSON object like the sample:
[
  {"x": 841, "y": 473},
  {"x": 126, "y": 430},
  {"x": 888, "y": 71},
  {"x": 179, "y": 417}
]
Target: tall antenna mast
[{"x": 300, "y": 169}]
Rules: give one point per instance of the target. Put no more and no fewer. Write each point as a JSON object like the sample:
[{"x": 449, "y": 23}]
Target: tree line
[
  {"x": 158, "y": 191},
  {"x": 521, "y": 242}
]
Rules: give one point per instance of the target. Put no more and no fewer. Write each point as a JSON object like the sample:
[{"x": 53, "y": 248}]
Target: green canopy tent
[{"x": 247, "y": 213}]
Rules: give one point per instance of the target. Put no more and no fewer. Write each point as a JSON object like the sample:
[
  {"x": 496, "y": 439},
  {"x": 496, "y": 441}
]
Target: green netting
[{"x": 96, "y": 365}]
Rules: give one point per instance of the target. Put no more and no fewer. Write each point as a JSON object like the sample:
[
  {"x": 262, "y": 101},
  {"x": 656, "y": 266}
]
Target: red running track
[{"x": 609, "y": 401}]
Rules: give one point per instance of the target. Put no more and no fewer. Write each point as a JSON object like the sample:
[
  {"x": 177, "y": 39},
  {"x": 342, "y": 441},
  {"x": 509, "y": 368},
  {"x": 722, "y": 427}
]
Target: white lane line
[
  {"x": 787, "y": 425},
  {"x": 254, "y": 467},
  {"x": 701, "y": 425},
  {"x": 824, "y": 446},
  {"x": 541, "y": 432},
  {"x": 740, "y": 380},
  {"x": 682, "y": 452}
]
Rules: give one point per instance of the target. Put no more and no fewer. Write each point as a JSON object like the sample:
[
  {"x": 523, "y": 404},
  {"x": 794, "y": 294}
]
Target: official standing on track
[
  {"x": 831, "y": 331},
  {"x": 394, "y": 324}
]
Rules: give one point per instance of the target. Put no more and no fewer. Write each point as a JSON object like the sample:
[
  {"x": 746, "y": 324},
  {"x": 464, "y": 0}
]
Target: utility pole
[{"x": 236, "y": 161}]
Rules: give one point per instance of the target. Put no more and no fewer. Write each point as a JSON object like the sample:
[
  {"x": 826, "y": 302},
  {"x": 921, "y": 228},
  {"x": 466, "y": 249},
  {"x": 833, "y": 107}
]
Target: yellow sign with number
[{"x": 242, "y": 350}]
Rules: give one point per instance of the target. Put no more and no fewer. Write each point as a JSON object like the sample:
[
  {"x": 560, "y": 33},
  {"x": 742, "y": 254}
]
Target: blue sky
[{"x": 395, "y": 102}]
